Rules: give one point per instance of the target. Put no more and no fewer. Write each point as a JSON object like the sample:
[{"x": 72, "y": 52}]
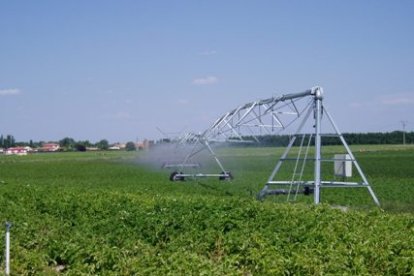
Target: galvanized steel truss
[
  {"x": 271, "y": 116},
  {"x": 316, "y": 183}
]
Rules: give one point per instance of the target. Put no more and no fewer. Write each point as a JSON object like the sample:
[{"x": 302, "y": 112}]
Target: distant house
[
  {"x": 142, "y": 145},
  {"x": 118, "y": 145},
  {"x": 16, "y": 151},
  {"x": 49, "y": 147}
]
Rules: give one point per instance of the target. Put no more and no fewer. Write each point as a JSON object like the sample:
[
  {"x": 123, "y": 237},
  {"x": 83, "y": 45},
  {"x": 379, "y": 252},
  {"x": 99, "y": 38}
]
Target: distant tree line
[
  {"x": 66, "y": 144},
  {"x": 371, "y": 138},
  {"x": 7, "y": 142}
]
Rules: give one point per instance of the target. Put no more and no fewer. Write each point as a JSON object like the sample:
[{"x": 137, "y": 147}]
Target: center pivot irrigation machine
[{"x": 303, "y": 156}]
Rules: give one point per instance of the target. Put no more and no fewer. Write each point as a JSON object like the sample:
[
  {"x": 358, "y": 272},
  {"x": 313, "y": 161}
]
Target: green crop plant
[{"x": 109, "y": 214}]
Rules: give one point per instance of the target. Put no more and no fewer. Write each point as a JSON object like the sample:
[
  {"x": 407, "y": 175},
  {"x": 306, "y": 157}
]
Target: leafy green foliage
[
  {"x": 103, "y": 144},
  {"x": 67, "y": 143},
  {"x": 80, "y": 146},
  {"x": 370, "y": 138},
  {"x": 105, "y": 214},
  {"x": 130, "y": 146}
]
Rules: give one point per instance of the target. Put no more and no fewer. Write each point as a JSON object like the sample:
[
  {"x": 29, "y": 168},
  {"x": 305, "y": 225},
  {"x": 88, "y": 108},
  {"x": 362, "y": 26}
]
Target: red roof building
[
  {"x": 49, "y": 147},
  {"x": 16, "y": 151}
]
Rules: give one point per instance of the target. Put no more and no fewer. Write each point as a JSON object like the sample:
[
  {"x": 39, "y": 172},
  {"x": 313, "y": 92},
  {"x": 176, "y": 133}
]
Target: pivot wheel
[
  {"x": 176, "y": 176},
  {"x": 226, "y": 176}
]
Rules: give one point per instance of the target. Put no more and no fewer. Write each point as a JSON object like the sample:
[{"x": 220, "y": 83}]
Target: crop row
[{"x": 107, "y": 215}]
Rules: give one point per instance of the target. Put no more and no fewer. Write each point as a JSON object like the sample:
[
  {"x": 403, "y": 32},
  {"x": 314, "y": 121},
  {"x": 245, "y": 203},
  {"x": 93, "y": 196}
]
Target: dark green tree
[
  {"x": 130, "y": 146},
  {"x": 80, "y": 146},
  {"x": 86, "y": 143},
  {"x": 67, "y": 143},
  {"x": 103, "y": 144},
  {"x": 9, "y": 141}
]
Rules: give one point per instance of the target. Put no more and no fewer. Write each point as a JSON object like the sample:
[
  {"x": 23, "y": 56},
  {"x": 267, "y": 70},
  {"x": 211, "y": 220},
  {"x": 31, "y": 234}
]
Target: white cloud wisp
[
  {"x": 205, "y": 81},
  {"x": 9, "y": 92},
  {"x": 208, "y": 53},
  {"x": 398, "y": 101},
  {"x": 182, "y": 101}
]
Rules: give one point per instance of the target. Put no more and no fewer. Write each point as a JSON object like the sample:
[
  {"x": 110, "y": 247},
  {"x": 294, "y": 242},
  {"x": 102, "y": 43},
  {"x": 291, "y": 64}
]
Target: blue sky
[{"x": 117, "y": 70}]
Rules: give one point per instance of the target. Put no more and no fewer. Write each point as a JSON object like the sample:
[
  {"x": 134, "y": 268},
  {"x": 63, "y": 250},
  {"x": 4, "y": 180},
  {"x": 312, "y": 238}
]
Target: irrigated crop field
[{"x": 106, "y": 213}]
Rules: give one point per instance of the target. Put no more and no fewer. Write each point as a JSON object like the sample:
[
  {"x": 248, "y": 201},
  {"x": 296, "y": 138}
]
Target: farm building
[
  {"x": 118, "y": 146},
  {"x": 17, "y": 151},
  {"x": 49, "y": 147},
  {"x": 138, "y": 145},
  {"x": 142, "y": 145}
]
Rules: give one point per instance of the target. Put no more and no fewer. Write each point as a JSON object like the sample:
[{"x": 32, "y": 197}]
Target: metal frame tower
[
  {"x": 271, "y": 116},
  {"x": 317, "y": 183}
]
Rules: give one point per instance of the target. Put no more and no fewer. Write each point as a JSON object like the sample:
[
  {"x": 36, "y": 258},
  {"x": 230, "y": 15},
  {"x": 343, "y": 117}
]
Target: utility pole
[{"x": 404, "y": 123}]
